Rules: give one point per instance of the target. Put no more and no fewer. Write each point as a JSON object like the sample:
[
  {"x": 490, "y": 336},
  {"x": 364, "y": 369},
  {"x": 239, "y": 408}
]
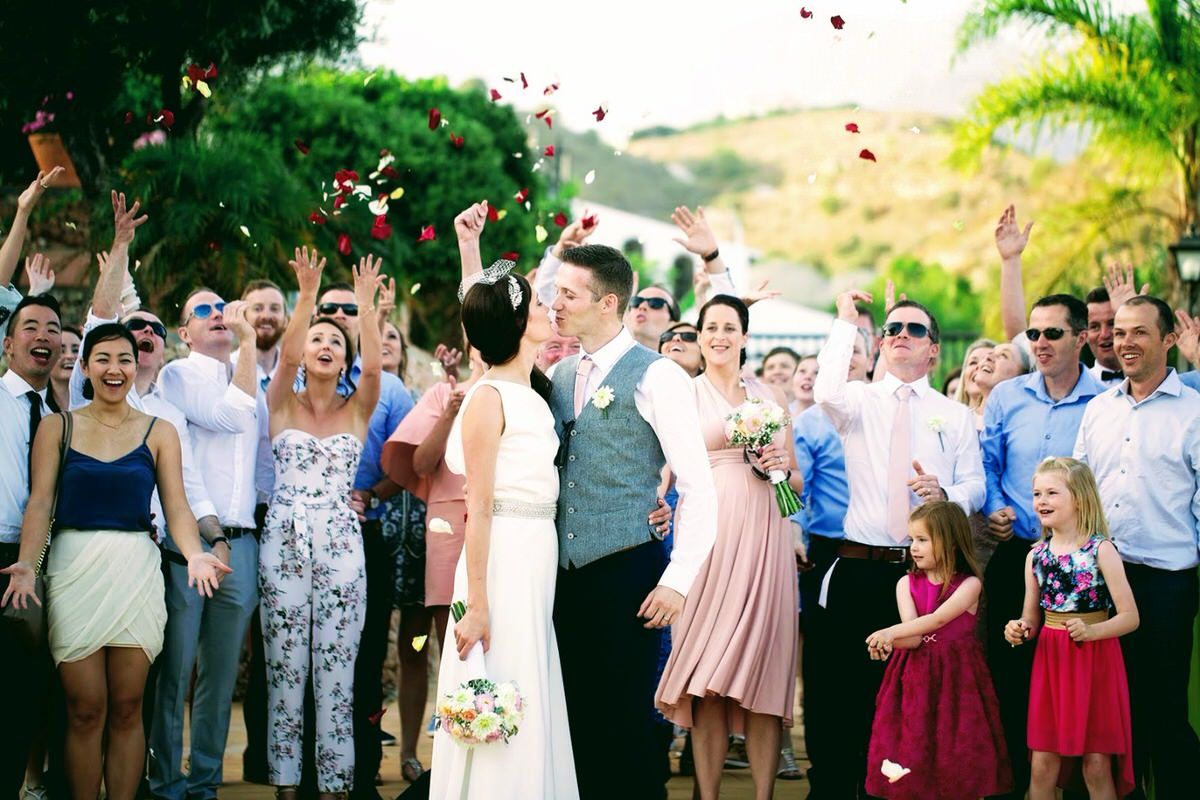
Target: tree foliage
[{"x": 951, "y": 298}]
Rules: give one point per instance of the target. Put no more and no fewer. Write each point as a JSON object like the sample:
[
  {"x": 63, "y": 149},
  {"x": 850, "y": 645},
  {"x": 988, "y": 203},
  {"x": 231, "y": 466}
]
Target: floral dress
[{"x": 312, "y": 588}]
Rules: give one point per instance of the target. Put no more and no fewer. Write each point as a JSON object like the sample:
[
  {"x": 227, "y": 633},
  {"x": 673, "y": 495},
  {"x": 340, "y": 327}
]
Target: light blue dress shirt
[
  {"x": 822, "y": 462},
  {"x": 394, "y": 404},
  {"x": 1022, "y": 426},
  {"x": 1146, "y": 459}
]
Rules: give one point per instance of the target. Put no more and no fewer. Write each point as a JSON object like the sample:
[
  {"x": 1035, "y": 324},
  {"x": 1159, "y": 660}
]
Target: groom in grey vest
[{"x": 622, "y": 413}]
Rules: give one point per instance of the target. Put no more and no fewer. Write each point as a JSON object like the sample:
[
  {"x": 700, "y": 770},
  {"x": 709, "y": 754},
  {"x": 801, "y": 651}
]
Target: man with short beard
[{"x": 266, "y": 310}]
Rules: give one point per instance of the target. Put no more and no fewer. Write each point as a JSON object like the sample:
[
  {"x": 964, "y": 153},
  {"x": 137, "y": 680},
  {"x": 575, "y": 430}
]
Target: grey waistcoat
[{"x": 608, "y": 479}]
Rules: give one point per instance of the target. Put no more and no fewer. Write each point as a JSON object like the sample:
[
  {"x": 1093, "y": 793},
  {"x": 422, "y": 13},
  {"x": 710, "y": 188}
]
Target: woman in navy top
[{"x": 104, "y": 585}]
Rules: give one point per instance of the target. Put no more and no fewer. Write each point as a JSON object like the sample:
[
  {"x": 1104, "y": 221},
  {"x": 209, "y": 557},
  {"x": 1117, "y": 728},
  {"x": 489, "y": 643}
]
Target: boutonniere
[
  {"x": 937, "y": 425},
  {"x": 602, "y": 398}
]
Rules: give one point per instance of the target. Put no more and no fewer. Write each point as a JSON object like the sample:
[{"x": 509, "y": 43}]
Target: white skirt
[{"x": 104, "y": 589}]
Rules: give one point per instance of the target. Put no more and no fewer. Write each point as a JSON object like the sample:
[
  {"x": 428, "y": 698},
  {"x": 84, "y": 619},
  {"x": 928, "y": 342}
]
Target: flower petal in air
[
  {"x": 427, "y": 234},
  {"x": 837, "y": 22},
  {"x": 493, "y": 214},
  {"x": 381, "y": 230},
  {"x": 317, "y": 218},
  {"x": 439, "y": 525},
  {"x": 866, "y": 155},
  {"x": 588, "y": 222},
  {"x": 494, "y": 95},
  {"x": 435, "y": 119},
  {"x": 344, "y": 244},
  {"x": 590, "y": 177},
  {"x": 521, "y": 195},
  {"x": 397, "y": 193},
  {"x": 600, "y": 113},
  {"x": 560, "y": 219},
  {"x": 852, "y": 127},
  {"x": 418, "y": 642},
  {"x": 302, "y": 146},
  {"x": 511, "y": 256},
  {"x": 549, "y": 151},
  {"x": 805, "y": 13},
  {"x": 893, "y": 771},
  {"x": 540, "y": 233},
  {"x": 457, "y": 141}
]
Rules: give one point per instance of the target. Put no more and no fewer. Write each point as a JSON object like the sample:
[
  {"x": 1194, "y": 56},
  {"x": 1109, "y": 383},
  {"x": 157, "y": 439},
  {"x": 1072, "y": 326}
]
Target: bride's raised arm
[
  {"x": 483, "y": 422},
  {"x": 468, "y": 226}
]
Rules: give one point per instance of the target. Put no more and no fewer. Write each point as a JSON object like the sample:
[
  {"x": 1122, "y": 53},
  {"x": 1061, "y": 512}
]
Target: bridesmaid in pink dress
[{"x": 733, "y": 666}]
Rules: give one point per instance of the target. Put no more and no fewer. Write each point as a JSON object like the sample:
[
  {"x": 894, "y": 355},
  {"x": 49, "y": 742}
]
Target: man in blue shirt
[{"x": 1027, "y": 419}]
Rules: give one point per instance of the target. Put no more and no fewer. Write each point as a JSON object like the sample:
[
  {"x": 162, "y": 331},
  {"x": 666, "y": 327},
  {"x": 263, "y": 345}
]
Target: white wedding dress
[{"x": 521, "y": 574}]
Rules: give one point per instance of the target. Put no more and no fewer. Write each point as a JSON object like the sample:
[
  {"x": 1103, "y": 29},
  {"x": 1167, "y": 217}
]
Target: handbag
[{"x": 31, "y": 620}]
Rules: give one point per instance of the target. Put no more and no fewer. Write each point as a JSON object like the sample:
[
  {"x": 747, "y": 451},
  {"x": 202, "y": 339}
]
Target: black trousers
[
  {"x": 1158, "y": 658},
  {"x": 1011, "y": 667},
  {"x": 609, "y": 658},
  {"x": 23, "y": 670},
  {"x": 860, "y": 601},
  {"x": 372, "y": 651},
  {"x": 820, "y": 674}
]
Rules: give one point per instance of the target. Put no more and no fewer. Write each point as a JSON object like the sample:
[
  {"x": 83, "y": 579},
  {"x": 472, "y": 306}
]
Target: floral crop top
[{"x": 1071, "y": 582}]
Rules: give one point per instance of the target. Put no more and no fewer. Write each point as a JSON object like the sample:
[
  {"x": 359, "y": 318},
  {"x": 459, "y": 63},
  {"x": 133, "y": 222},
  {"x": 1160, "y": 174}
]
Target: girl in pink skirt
[{"x": 1078, "y": 695}]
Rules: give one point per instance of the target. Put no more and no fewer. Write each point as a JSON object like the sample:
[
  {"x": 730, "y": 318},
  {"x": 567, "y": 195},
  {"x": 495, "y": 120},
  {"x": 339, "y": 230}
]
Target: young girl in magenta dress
[
  {"x": 936, "y": 713},
  {"x": 1078, "y": 695}
]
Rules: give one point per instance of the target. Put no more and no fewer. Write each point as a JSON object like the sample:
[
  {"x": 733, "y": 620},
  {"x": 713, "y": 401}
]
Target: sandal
[
  {"x": 788, "y": 770},
  {"x": 411, "y": 769}
]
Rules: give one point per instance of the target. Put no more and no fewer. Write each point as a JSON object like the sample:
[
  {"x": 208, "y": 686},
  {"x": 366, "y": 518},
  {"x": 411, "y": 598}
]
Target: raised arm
[
  {"x": 114, "y": 272},
  {"x": 10, "y": 251},
  {"x": 308, "y": 268},
  {"x": 468, "y": 226},
  {"x": 1119, "y": 284},
  {"x": 1010, "y": 244},
  {"x": 838, "y": 398},
  {"x": 370, "y": 345},
  {"x": 573, "y": 235}
]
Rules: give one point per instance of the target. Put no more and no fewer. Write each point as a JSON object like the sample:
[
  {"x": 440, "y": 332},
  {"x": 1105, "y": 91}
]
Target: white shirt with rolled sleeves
[
  {"x": 223, "y": 425},
  {"x": 944, "y": 440},
  {"x": 665, "y": 397},
  {"x": 14, "y": 453},
  {"x": 1146, "y": 459}
]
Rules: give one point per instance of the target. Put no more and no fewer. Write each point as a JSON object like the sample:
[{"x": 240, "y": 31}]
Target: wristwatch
[
  {"x": 218, "y": 539},
  {"x": 374, "y": 502}
]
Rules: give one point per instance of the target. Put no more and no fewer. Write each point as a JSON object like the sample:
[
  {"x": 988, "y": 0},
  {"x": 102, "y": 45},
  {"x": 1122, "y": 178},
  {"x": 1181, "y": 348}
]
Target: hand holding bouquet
[
  {"x": 753, "y": 425},
  {"x": 479, "y": 711}
]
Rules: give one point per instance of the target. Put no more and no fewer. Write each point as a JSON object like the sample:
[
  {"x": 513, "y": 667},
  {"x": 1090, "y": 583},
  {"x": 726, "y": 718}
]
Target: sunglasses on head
[
  {"x": 917, "y": 330},
  {"x": 329, "y": 309},
  {"x": 1053, "y": 334},
  {"x": 205, "y": 310},
  {"x": 655, "y": 303},
  {"x": 138, "y": 323},
  {"x": 683, "y": 336}
]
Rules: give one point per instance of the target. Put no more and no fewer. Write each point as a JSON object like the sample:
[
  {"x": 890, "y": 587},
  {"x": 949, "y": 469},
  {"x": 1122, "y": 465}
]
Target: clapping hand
[
  {"x": 34, "y": 192},
  {"x": 20, "y": 586},
  {"x": 125, "y": 221},
  {"x": 1010, "y": 239},
  {"x": 1119, "y": 283},
  {"x": 39, "y": 274},
  {"x": 308, "y": 270},
  {"x": 698, "y": 235},
  {"x": 468, "y": 225},
  {"x": 205, "y": 572}
]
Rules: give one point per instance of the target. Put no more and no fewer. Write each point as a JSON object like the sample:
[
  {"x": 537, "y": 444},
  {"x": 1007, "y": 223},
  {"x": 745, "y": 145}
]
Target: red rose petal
[
  {"x": 457, "y": 141},
  {"x": 524, "y": 83},
  {"x": 317, "y": 218},
  {"x": 427, "y": 234},
  {"x": 560, "y": 219},
  {"x": 194, "y": 73},
  {"x": 837, "y": 22},
  {"x": 211, "y": 72},
  {"x": 521, "y": 195},
  {"x": 495, "y": 95},
  {"x": 805, "y": 13},
  {"x": 866, "y": 155},
  {"x": 339, "y": 201},
  {"x": 378, "y": 715},
  {"x": 381, "y": 230},
  {"x": 544, "y": 115},
  {"x": 600, "y": 113},
  {"x": 168, "y": 117},
  {"x": 344, "y": 244},
  {"x": 549, "y": 153},
  {"x": 214, "y": 246},
  {"x": 588, "y": 222},
  {"x": 493, "y": 214},
  {"x": 129, "y": 117},
  {"x": 549, "y": 90},
  {"x": 435, "y": 119},
  {"x": 511, "y": 256},
  {"x": 302, "y": 146},
  {"x": 852, "y": 127}
]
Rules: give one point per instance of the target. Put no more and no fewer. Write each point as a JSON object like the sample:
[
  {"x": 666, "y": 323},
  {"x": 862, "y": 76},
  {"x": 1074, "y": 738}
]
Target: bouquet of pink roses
[
  {"x": 479, "y": 711},
  {"x": 753, "y": 425}
]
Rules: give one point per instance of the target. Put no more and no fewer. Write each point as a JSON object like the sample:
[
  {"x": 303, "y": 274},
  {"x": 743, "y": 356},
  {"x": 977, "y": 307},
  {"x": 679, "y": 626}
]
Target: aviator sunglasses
[
  {"x": 1052, "y": 334},
  {"x": 329, "y": 309},
  {"x": 205, "y": 310},
  {"x": 159, "y": 330},
  {"x": 917, "y": 330}
]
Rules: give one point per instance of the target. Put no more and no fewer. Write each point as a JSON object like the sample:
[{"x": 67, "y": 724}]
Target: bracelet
[
  {"x": 218, "y": 539},
  {"x": 713, "y": 256}
]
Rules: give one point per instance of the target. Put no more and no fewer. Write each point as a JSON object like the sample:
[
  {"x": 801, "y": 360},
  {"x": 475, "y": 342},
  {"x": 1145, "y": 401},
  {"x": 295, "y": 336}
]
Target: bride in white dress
[{"x": 504, "y": 442}]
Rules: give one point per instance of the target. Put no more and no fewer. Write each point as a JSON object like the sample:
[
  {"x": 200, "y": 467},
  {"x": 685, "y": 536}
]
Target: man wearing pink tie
[{"x": 905, "y": 444}]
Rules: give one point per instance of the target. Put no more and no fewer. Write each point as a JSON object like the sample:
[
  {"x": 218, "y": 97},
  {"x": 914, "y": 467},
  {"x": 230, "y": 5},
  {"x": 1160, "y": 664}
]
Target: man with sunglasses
[
  {"x": 1027, "y": 419},
  {"x": 651, "y": 311},
  {"x": 905, "y": 444}
]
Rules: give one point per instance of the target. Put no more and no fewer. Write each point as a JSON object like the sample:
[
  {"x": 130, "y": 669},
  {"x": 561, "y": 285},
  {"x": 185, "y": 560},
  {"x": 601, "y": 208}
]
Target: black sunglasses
[
  {"x": 138, "y": 323},
  {"x": 329, "y": 309},
  {"x": 1053, "y": 334},
  {"x": 917, "y": 330},
  {"x": 205, "y": 310},
  {"x": 684, "y": 336},
  {"x": 655, "y": 303}
]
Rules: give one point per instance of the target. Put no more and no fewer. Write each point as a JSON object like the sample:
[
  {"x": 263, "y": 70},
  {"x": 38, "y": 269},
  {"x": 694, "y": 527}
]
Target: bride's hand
[{"x": 472, "y": 628}]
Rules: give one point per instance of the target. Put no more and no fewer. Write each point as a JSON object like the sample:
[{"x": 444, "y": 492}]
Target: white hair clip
[
  {"x": 498, "y": 269},
  {"x": 514, "y": 291}
]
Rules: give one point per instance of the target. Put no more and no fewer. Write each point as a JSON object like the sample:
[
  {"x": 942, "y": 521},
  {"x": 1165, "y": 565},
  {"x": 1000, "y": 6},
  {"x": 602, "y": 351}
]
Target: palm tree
[{"x": 1131, "y": 82}]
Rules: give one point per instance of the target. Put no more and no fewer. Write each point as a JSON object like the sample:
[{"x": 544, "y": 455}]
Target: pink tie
[
  {"x": 899, "y": 462},
  {"x": 582, "y": 371}
]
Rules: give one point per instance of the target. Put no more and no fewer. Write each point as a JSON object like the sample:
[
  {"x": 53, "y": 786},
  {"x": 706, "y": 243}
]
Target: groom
[{"x": 622, "y": 413}]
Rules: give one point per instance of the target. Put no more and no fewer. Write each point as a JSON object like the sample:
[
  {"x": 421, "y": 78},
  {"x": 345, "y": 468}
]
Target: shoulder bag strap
[{"x": 63, "y": 446}]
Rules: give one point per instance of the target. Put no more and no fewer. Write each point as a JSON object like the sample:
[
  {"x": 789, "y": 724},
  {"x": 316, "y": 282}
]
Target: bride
[{"x": 505, "y": 443}]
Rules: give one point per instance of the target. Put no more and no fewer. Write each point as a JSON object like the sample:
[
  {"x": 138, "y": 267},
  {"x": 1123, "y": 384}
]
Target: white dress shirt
[
  {"x": 264, "y": 465},
  {"x": 1146, "y": 459},
  {"x": 223, "y": 425},
  {"x": 14, "y": 453},
  {"x": 666, "y": 399},
  {"x": 944, "y": 440}
]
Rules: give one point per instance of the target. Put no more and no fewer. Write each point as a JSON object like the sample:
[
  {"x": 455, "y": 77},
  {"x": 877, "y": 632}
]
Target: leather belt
[
  {"x": 870, "y": 552},
  {"x": 237, "y": 533}
]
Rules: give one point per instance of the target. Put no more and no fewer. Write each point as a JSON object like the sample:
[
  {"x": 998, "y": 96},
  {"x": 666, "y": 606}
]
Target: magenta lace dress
[{"x": 936, "y": 714}]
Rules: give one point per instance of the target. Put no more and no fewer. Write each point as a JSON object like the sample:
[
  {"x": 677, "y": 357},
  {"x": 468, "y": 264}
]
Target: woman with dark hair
[
  {"x": 504, "y": 442},
  {"x": 60, "y": 377},
  {"x": 311, "y": 575},
  {"x": 104, "y": 584},
  {"x": 733, "y": 665},
  {"x": 680, "y": 344}
]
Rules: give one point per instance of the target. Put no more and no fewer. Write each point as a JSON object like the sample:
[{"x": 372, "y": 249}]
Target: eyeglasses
[
  {"x": 917, "y": 330},
  {"x": 1053, "y": 334},
  {"x": 683, "y": 336},
  {"x": 655, "y": 303},
  {"x": 138, "y": 323},
  {"x": 329, "y": 309},
  {"x": 204, "y": 311}
]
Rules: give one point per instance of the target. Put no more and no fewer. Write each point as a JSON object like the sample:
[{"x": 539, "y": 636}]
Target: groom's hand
[{"x": 661, "y": 607}]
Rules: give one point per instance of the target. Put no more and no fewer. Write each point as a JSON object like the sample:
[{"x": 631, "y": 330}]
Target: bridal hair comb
[{"x": 498, "y": 269}]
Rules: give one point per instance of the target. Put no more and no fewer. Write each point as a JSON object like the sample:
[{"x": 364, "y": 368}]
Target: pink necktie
[
  {"x": 899, "y": 462},
  {"x": 582, "y": 371}
]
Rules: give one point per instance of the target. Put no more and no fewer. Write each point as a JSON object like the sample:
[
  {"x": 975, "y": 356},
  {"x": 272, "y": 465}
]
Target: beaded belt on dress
[{"x": 515, "y": 508}]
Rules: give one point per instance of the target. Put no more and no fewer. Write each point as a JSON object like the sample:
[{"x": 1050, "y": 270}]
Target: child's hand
[
  {"x": 878, "y": 653},
  {"x": 881, "y": 641},
  {"x": 1016, "y": 632},
  {"x": 1079, "y": 630}
]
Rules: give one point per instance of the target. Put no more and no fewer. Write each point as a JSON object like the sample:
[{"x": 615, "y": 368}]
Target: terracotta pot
[{"x": 49, "y": 151}]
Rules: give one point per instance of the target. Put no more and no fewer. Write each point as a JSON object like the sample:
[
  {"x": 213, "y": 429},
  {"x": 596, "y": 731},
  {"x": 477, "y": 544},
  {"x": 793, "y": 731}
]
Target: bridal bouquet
[
  {"x": 753, "y": 425},
  {"x": 479, "y": 711}
]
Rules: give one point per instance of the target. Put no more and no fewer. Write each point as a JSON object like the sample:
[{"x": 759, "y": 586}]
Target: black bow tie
[{"x": 1107, "y": 375}]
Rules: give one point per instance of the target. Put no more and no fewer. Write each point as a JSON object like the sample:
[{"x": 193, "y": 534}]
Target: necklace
[{"x": 114, "y": 427}]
